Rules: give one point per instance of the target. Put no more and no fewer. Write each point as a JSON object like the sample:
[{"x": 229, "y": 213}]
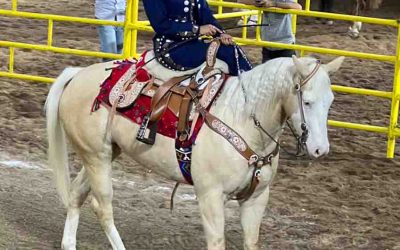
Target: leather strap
[
  {"x": 213, "y": 87},
  {"x": 211, "y": 56},
  {"x": 240, "y": 145},
  {"x": 313, "y": 72},
  {"x": 159, "y": 110},
  {"x": 157, "y": 107},
  {"x": 224, "y": 130},
  {"x": 183, "y": 114},
  {"x": 246, "y": 193},
  {"x": 212, "y": 53}
]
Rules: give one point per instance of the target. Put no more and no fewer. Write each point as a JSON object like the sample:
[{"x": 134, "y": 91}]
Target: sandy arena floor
[{"x": 348, "y": 200}]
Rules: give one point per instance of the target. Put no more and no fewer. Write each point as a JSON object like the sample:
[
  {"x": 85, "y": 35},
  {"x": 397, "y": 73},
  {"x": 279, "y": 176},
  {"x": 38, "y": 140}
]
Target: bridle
[
  {"x": 258, "y": 161},
  {"x": 302, "y": 139}
]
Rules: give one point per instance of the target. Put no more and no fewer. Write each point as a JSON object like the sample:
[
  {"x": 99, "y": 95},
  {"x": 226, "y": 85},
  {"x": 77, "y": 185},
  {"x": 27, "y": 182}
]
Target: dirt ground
[{"x": 347, "y": 200}]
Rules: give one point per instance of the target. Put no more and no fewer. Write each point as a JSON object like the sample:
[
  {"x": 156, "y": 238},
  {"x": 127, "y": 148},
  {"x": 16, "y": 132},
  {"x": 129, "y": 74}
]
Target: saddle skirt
[{"x": 131, "y": 87}]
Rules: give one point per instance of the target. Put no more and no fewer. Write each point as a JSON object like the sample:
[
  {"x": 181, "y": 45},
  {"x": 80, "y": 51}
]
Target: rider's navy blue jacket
[{"x": 176, "y": 21}]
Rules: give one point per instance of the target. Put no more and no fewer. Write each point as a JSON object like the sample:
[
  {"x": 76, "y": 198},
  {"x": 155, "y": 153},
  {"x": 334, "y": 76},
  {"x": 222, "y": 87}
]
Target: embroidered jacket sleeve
[
  {"x": 157, "y": 13},
  {"x": 206, "y": 16}
]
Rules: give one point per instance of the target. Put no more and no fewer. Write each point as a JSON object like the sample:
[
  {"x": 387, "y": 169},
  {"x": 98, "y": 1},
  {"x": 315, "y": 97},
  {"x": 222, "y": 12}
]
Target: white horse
[{"x": 218, "y": 170}]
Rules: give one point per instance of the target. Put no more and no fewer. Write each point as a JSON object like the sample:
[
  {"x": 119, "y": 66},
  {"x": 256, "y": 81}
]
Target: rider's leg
[{"x": 227, "y": 54}]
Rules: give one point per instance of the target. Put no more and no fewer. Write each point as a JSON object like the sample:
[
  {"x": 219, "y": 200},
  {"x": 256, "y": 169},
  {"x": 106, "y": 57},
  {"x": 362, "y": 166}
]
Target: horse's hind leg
[
  {"x": 79, "y": 191},
  {"x": 251, "y": 213},
  {"x": 99, "y": 173}
]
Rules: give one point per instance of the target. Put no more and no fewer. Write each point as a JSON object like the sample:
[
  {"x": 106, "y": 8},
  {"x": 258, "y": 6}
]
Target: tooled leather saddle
[{"x": 176, "y": 95}]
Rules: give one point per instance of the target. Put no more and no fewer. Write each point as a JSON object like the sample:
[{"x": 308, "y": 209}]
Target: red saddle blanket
[{"x": 141, "y": 107}]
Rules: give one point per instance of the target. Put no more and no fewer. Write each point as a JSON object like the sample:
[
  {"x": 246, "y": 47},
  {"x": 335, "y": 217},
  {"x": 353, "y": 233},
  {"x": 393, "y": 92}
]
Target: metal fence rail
[{"x": 132, "y": 25}]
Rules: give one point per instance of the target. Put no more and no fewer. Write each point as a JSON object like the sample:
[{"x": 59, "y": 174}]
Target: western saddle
[{"x": 177, "y": 94}]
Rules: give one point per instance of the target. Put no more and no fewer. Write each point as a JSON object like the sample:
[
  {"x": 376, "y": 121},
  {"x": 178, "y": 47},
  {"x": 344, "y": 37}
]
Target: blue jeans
[{"x": 111, "y": 39}]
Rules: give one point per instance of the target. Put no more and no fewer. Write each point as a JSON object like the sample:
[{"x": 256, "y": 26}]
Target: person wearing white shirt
[{"x": 111, "y": 37}]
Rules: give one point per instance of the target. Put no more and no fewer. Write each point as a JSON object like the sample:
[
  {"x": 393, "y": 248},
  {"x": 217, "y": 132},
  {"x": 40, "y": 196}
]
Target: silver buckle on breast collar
[{"x": 253, "y": 159}]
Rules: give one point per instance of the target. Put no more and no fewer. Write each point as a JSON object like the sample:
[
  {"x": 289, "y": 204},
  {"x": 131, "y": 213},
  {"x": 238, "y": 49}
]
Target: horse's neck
[{"x": 260, "y": 92}]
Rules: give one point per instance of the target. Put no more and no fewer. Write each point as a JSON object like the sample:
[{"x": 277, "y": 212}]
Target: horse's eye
[{"x": 307, "y": 103}]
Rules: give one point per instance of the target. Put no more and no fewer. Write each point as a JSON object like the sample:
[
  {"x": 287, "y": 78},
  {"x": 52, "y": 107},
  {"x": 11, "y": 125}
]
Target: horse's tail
[{"x": 57, "y": 147}]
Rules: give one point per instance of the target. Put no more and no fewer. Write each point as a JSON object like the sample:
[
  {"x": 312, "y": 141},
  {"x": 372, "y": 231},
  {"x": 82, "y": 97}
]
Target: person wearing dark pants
[
  {"x": 269, "y": 54},
  {"x": 326, "y": 6}
]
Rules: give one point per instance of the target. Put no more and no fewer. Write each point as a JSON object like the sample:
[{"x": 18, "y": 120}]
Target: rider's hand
[
  {"x": 209, "y": 30},
  {"x": 226, "y": 39}
]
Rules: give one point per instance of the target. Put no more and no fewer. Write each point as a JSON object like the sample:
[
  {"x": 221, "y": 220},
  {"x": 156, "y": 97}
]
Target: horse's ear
[
  {"x": 334, "y": 65},
  {"x": 300, "y": 67}
]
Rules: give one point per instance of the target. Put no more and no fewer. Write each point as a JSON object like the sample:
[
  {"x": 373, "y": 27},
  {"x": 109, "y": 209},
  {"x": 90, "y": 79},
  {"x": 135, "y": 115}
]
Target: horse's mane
[{"x": 262, "y": 85}]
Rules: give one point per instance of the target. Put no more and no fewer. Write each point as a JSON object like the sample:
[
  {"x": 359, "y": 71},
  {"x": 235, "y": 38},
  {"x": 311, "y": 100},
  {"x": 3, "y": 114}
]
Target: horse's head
[{"x": 310, "y": 101}]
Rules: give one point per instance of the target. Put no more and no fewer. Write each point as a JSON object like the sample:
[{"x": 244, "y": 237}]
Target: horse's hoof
[{"x": 354, "y": 34}]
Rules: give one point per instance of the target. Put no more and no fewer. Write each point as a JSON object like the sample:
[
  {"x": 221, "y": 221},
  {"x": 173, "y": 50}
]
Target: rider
[{"x": 177, "y": 21}]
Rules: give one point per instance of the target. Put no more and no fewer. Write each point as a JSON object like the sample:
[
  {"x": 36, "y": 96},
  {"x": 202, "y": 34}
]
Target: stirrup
[{"x": 141, "y": 135}]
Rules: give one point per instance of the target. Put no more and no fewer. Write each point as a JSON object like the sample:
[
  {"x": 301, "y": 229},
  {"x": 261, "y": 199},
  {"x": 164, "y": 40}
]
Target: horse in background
[{"x": 358, "y": 8}]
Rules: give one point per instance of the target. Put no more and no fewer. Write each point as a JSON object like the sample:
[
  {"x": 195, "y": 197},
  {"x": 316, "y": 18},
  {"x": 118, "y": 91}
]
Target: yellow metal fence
[{"x": 132, "y": 25}]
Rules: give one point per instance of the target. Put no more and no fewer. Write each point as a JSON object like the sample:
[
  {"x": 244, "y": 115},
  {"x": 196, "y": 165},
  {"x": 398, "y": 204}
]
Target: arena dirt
[{"x": 348, "y": 200}]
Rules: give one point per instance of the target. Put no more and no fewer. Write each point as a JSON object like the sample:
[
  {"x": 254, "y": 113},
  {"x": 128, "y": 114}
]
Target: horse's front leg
[
  {"x": 251, "y": 214},
  {"x": 211, "y": 203},
  {"x": 354, "y": 30}
]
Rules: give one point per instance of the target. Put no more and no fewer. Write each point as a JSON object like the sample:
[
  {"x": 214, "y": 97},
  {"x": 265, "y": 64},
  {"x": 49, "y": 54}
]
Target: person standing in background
[
  {"x": 326, "y": 6},
  {"x": 278, "y": 27},
  {"x": 111, "y": 37}
]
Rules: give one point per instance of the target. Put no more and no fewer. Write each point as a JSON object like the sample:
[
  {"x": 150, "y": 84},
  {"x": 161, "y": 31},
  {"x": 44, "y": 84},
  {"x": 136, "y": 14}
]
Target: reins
[{"x": 302, "y": 139}]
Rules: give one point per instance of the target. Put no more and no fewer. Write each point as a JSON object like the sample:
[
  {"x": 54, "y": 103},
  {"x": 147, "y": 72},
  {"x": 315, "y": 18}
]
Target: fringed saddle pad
[{"x": 141, "y": 107}]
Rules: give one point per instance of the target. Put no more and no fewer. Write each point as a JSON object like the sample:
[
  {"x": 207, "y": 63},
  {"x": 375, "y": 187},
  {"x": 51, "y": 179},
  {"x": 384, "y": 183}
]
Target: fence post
[
  {"x": 308, "y": 4},
  {"x": 259, "y": 22},
  {"x": 294, "y": 23},
  {"x": 127, "y": 29},
  {"x": 134, "y": 31},
  {"x": 14, "y": 5},
  {"x": 394, "y": 114},
  {"x": 11, "y": 60},
  {"x": 220, "y": 10},
  {"x": 244, "y": 29},
  {"x": 294, "y": 26},
  {"x": 50, "y": 33}
]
